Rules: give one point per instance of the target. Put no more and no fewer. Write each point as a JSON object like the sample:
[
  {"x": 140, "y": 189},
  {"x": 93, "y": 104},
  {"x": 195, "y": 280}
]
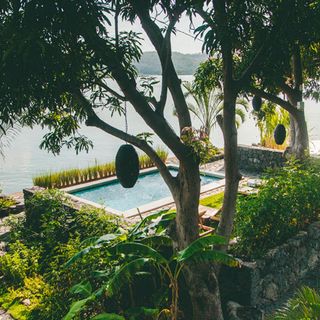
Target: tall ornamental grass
[{"x": 70, "y": 177}]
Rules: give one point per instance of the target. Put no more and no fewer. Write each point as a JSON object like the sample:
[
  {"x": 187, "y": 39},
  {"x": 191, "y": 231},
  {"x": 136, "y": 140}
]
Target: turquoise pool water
[{"x": 149, "y": 187}]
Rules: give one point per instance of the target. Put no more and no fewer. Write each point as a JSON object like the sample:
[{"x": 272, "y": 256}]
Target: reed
[{"x": 70, "y": 177}]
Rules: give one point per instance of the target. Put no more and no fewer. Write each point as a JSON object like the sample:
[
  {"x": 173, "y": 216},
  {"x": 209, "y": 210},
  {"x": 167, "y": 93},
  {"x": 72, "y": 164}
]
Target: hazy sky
[{"x": 179, "y": 42}]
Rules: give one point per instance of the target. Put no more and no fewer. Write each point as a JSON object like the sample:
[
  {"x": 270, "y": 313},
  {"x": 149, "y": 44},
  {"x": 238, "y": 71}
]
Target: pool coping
[{"x": 154, "y": 205}]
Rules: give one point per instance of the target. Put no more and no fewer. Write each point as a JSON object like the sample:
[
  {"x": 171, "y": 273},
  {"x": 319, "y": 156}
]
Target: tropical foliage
[
  {"x": 114, "y": 271},
  {"x": 304, "y": 305},
  {"x": 34, "y": 284},
  {"x": 137, "y": 252},
  {"x": 287, "y": 201},
  {"x": 208, "y": 104}
]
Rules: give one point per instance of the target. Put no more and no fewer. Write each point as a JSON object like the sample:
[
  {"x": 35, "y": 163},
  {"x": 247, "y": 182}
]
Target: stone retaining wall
[
  {"x": 258, "y": 159},
  {"x": 262, "y": 282}
]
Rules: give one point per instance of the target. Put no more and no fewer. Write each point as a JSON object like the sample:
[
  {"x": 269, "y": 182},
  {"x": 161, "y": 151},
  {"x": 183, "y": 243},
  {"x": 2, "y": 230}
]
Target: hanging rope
[{"x": 126, "y": 119}]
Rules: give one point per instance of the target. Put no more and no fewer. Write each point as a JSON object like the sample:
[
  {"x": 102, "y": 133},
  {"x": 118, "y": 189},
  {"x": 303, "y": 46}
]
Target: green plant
[
  {"x": 22, "y": 303},
  {"x": 199, "y": 143},
  {"x": 48, "y": 215},
  {"x": 209, "y": 104},
  {"x": 51, "y": 235},
  {"x": 287, "y": 202},
  {"x": 304, "y": 305},
  {"x": 19, "y": 263},
  {"x": 6, "y": 202},
  {"x": 135, "y": 253}
]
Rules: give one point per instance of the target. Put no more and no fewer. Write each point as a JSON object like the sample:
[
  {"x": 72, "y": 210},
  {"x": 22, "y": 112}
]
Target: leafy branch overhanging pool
[{"x": 149, "y": 188}]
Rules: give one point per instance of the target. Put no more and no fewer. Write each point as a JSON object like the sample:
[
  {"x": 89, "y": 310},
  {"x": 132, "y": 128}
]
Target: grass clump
[
  {"x": 214, "y": 201},
  {"x": 66, "y": 178}
]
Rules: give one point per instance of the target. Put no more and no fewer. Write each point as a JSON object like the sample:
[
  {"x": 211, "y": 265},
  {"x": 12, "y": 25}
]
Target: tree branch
[
  {"x": 94, "y": 121},
  {"x": 158, "y": 41},
  {"x": 246, "y": 74},
  {"x": 108, "y": 89},
  {"x": 275, "y": 99},
  {"x": 141, "y": 105}
]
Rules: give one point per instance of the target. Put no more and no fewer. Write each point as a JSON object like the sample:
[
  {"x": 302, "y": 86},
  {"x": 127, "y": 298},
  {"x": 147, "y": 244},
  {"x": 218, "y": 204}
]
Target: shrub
[
  {"x": 287, "y": 202},
  {"x": 59, "y": 233},
  {"x": 54, "y": 222},
  {"x": 6, "y": 202},
  {"x": 20, "y": 262}
]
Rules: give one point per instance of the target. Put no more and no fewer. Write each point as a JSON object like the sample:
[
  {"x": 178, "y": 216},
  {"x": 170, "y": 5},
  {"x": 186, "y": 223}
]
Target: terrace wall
[
  {"x": 262, "y": 282},
  {"x": 258, "y": 159}
]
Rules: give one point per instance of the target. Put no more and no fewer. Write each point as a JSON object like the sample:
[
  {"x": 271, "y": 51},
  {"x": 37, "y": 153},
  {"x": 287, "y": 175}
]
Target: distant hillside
[{"x": 184, "y": 63}]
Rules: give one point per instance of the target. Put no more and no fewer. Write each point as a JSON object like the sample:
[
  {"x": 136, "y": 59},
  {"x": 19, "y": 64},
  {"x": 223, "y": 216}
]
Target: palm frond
[
  {"x": 304, "y": 305},
  {"x": 7, "y": 133}
]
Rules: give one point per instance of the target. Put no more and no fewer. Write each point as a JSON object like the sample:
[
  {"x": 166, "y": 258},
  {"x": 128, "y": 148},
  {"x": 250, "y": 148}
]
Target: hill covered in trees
[{"x": 184, "y": 63}]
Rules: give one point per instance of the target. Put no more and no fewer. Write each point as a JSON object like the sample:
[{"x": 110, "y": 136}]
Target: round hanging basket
[
  {"x": 127, "y": 165},
  {"x": 280, "y": 134},
  {"x": 256, "y": 103}
]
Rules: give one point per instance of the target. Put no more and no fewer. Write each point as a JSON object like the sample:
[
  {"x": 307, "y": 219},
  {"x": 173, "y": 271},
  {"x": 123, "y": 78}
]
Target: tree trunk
[
  {"x": 200, "y": 278},
  {"x": 232, "y": 175},
  {"x": 299, "y": 137},
  {"x": 300, "y": 148},
  {"x": 292, "y": 131},
  {"x": 204, "y": 292}
]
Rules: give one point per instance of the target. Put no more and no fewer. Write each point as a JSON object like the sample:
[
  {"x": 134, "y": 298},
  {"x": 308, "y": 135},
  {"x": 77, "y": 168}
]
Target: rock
[
  {"x": 271, "y": 291},
  {"x": 26, "y": 302},
  {"x": 235, "y": 311}
]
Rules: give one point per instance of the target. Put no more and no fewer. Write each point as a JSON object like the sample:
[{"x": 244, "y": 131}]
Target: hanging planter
[
  {"x": 256, "y": 103},
  {"x": 127, "y": 165},
  {"x": 280, "y": 134}
]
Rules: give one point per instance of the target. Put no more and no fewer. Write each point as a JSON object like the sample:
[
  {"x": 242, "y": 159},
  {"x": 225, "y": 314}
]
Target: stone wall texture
[
  {"x": 258, "y": 159},
  {"x": 262, "y": 282}
]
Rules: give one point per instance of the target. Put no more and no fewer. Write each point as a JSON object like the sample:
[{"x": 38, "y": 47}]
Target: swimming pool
[{"x": 149, "y": 188}]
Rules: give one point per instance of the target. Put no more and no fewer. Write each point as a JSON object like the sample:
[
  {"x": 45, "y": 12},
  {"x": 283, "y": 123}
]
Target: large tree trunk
[
  {"x": 299, "y": 137},
  {"x": 200, "y": 279},
  {"x": 232, "y": 175},
  {"x": 299, "y": 147}
]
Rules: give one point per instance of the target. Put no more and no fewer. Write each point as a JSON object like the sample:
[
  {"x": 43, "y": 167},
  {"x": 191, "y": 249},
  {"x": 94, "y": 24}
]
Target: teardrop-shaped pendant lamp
[
  {"x": 280, "y": 134},
  {"x": 127, "y": 165},
  {"x": 256, "y": 103}
]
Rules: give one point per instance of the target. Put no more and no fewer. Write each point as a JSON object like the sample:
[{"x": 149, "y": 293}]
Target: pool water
[{"x": 149, "y": 187}]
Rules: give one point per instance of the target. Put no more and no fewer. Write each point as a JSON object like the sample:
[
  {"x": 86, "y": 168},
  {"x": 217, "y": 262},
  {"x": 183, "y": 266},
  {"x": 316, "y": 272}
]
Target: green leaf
[
  {"x": 139, "y": 249},
  {"x": 199, "y": 245},
  {"x": 124, "y": 275},
  {"x": 214, "y": 256},
  {"x": 108, "y": 316},
  {"x": 84, "y": 288},
  {"x": 77, "y": 307},
  {"x": 107, "y": 238}
]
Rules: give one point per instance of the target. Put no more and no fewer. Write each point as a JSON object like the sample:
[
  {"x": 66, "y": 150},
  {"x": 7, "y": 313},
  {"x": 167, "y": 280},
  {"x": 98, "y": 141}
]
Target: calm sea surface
[{"x": 24, "y": 159}]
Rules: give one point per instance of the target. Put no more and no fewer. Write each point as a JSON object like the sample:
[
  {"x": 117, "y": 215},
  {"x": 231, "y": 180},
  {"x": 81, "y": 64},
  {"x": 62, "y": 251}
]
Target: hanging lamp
[
  {"x": 256, "y": 103},
  {"x": 280, "y": 134}
]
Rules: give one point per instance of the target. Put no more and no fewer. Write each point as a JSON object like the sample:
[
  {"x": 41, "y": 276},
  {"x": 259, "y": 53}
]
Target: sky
[{"x": 179, "y": 42}]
